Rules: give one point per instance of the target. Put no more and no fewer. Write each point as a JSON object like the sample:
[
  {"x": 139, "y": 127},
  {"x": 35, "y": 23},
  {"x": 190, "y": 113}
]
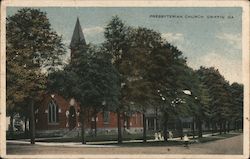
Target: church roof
[{"x": 78, "y": 37}]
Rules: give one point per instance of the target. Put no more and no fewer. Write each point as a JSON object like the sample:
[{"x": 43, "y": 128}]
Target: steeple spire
[{"x": 77, "y": 37}]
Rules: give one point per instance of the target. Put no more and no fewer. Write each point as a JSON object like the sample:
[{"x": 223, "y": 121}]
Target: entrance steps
[{"x": 76, "y": 132}]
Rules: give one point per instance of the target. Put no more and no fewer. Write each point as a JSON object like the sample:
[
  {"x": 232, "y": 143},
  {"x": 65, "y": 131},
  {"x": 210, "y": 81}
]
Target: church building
[{"x": 60, "y": 116}]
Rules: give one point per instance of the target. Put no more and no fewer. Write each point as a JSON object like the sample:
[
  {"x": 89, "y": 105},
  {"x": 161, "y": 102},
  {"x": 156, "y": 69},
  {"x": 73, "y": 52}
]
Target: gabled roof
[{"x": 77, "y": 37}]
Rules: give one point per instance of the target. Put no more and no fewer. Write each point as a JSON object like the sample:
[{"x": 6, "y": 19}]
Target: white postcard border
[{"x": 112, "y": 3}]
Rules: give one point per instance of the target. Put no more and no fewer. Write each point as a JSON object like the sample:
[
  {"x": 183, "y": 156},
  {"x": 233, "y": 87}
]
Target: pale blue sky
[{"x": 204, "y": 41}]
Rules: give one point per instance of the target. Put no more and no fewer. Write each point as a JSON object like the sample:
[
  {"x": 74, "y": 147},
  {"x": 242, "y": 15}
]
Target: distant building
[{"x": 18, "y": 123}]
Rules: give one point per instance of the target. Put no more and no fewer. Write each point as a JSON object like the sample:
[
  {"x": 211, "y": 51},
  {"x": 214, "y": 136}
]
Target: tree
[
  {"x": 167, "y": 72},
  {"x": 91, "y": 79},
  {"x": 32, "y": 48},
  {"x": 148, "y": 66},
  {"x": 135, "y": 69},
  {"x": 219, "y": 93},
  {"x": 199, "y": 101},
  {"x": 116, "y": 44},
  {"x": 205, "y": 111},
  {"x": 237, "y": 105}
]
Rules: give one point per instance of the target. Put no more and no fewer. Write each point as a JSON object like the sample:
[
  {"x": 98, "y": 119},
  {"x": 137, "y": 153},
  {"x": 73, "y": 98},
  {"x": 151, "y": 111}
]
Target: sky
[{"x": 207, "y": 36}]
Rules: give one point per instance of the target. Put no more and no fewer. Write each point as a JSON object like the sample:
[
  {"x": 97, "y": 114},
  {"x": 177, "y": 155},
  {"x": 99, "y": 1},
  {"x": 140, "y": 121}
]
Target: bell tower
[{"x": 77, "y": 39}]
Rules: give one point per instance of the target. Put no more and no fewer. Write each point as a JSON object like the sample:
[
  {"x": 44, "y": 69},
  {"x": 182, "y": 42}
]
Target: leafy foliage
[
  {"x": 218, "y": 89},
  {"x": 32, "y": 48},
  {"x": 90, "y": 78},
  {"x": 237, "y": 101}
]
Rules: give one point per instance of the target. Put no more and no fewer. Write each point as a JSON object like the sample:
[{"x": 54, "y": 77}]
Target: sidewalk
[
  {"x": 99, "y": 143},
  {"x": 62, "y": 144}
]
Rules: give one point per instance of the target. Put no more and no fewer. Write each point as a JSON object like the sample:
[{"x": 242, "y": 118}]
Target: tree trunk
[
  {"x": 235, "y": 127},
  {"x": 95, "y": 126},
  {"x": 144, "y": 128},
  {"x": 95, "y": 122},
  {"x": 119, "y": 139},
  {"x": 165, "y": 127},
  {"x": 156, "y": 119},
  {"x": 128, "y": 122},
  {"x": 32, "y": 123},
  {"x": 224, "y": 127},
  {"x": 83, "y": 126},
  {"x": 180, "y": 128},
  {"x": 199, "y": 124},
  {"x": 124, "y": 124},
  {"x": 25, "y": 126},
  {"x": 208, "y": 128},
  {"x": 241, "y": 124},
  {"x": 11, "y": 128},
  {"x": 228, "y": 126},
  {"x": 212, "y": 125},
  {"x": 220, "y": 128},
  {"x": 157, "y": 124},
  {"x": 193, "y": 128}
]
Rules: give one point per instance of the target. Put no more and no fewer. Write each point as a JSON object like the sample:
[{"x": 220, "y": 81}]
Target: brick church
[{"x": 59, "y": 115}]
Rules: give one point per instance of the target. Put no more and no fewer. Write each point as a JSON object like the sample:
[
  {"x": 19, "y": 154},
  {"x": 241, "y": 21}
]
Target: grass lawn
[
  {"x": 216, "y": 137},
  {"x": 148, "y": 144},
  {"x": 175, "y": 143},
  {"x": 97, "y": 138},
  {"x": 139, "y": 137}
]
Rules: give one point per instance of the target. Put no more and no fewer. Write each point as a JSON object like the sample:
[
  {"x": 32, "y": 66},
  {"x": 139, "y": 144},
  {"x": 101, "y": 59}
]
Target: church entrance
[{"x": 72, "y": 117}]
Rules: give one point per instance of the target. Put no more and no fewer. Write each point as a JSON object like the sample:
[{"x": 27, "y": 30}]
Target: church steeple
[{"x": 77, "y": 37}]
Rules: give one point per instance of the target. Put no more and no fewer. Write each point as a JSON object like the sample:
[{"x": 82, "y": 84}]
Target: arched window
[
  {"x": 106, "y": 117},
  {"x": 53, "y": 112}
]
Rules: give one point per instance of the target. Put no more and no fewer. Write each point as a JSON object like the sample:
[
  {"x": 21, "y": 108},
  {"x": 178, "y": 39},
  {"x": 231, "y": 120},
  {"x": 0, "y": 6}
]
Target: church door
[{"x": 72, "y": 117}]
